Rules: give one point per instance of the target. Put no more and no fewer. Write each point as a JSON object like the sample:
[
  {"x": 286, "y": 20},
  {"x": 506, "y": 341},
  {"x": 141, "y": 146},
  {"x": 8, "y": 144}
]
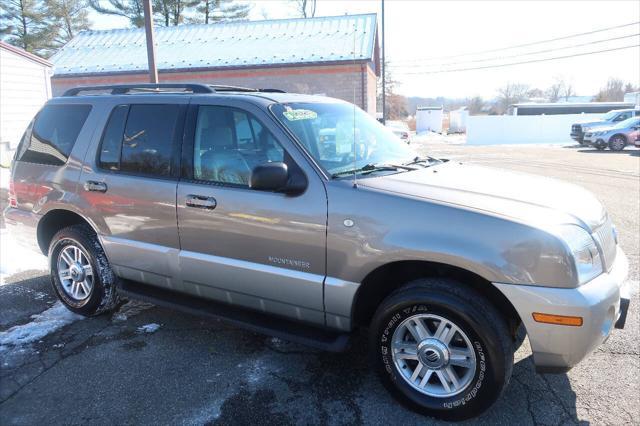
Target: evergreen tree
[
  {"x": 69, "y": 16},
  {"x": 133, "y": 10},
  {"x": 211, "y": 11},
  {"x": 27, "y": 25}
]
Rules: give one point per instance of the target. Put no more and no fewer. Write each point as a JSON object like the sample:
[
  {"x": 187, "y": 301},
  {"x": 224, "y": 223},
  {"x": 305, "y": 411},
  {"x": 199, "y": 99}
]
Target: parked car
[
  {"x": 635, "y": 137},
  {"x": 615, "y": 137},
  {"x": 400, "y": 129},
  {"x": 609, "y": 119},
  {"x": 162, "y": 192}
]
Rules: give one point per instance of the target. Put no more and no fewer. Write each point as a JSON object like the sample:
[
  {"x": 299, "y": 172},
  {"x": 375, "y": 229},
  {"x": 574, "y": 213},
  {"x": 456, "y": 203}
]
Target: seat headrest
[{"x": 217, "y": 138}]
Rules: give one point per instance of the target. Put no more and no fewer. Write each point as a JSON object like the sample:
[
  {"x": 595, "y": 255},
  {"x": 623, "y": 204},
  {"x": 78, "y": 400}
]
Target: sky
[{"x": 425, "y": 38}]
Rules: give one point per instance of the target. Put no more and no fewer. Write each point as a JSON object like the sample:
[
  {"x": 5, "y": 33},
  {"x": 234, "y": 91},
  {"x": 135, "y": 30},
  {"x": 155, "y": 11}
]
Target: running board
[{"x": 258, "y": 322}]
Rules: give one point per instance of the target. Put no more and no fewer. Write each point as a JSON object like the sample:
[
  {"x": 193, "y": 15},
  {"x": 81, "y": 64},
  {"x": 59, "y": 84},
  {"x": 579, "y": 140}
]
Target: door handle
[
  {"x": 92, "y": 185},
  {"x": 201, "y": 202}
]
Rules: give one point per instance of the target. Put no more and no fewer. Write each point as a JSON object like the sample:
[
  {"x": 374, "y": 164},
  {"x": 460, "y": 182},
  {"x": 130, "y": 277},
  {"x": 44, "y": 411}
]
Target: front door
[{"x": 257, "y": 249}]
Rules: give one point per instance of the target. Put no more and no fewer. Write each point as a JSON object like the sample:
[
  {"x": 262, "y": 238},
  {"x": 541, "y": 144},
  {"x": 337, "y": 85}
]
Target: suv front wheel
[
  {"x": 442, "y": 349},
  {"x": 80, "y": 272}
]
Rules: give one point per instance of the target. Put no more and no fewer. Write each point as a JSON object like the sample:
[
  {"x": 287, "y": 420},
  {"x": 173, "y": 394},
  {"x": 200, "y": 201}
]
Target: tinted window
[
  {"x": 147, "y": 143},
  {"x": 112, "y": 138},
  {"x": 54, "y": 134},
  {"x": 229, "y": 143}
]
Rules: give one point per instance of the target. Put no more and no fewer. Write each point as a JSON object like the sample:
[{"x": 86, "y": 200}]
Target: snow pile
[
  {"x": 43, "y": 324},
  {"x": 149, "y": 328},
  {"x": 15, "y": 258}
]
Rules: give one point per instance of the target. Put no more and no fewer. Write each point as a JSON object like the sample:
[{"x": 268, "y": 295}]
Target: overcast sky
[{"x": 424, "y": 37}]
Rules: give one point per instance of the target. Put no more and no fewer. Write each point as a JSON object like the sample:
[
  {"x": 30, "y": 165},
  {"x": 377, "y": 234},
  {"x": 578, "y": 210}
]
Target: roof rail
[
  {"x": 223, "y": 88},
  {"x": 122, "y": 89}
]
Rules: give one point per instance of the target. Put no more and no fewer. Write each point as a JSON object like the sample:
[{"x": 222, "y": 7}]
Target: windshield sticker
[{"x": 300, "y": 114}]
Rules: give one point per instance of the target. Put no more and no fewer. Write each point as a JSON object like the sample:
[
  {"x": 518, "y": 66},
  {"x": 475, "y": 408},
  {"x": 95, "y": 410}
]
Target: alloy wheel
[
  {"x": 75, "y": 272},
  {"x": 433, "y": 355}
]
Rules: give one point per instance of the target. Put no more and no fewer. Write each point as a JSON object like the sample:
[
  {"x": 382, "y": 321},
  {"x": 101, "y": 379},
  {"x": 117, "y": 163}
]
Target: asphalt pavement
[{"x": 148, "y": 365}]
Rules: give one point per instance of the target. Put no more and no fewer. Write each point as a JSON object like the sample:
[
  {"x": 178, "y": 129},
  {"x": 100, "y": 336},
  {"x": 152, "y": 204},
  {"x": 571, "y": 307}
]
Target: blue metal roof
[{"x": 225, "y": 45}]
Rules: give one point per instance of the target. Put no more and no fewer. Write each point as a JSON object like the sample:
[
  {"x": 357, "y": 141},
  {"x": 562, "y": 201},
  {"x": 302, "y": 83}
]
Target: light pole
[{"x": 151, "y": 48}]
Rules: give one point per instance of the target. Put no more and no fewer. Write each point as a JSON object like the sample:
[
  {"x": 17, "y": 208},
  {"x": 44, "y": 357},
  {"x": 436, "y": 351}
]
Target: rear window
[
  {"x": 139, "y": 139},
  {"x": 53, "y": 134}
]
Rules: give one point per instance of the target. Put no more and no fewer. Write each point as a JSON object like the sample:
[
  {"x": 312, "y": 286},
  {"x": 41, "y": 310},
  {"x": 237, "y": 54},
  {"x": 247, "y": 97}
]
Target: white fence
[{"x": 523, "y": 129}]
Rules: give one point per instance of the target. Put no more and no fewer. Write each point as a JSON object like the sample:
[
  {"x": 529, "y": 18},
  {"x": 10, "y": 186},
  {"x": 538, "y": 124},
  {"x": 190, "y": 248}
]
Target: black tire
[
  {"x": 617, "y": 143},
  {"x": 600, "y": 146},
  {"x": 103, "y": 296},
  {"x": 475, "y": 316}
]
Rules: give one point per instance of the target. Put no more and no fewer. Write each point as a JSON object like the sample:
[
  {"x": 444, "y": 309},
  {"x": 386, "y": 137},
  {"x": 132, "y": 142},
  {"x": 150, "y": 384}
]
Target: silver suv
[{"x": 221, "y": 201}]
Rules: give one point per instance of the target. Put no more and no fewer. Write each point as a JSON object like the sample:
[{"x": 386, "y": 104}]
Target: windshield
[
  {"x": 629, "y": 122},
  {"x": 328, "y": 132},
  {"x": 610, "y": 115}
]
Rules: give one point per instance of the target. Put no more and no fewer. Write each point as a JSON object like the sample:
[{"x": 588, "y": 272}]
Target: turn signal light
[{"x": 557, "y": 319}]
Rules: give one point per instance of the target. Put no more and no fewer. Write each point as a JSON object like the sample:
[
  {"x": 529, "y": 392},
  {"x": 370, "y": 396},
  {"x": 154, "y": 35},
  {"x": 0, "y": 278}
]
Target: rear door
[
  {"x": 130, "y": 188},
  {"x": 262, "y": 250}
]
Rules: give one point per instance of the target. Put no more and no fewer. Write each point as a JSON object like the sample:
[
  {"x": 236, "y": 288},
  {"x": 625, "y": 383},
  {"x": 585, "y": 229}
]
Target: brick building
[{"x": 314, "y": 55}]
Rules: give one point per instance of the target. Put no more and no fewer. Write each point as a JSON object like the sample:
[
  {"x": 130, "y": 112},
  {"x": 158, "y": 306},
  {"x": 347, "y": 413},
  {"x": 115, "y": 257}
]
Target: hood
[
  {"x": 527, "y": 198},
  {"x": 593, "y": 123}
]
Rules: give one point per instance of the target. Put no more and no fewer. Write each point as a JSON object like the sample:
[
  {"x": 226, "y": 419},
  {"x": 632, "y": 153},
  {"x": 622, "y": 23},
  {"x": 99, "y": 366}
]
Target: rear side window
[
  {"x": 139, "y": 139},
  {"x": 54, "y": 134}
]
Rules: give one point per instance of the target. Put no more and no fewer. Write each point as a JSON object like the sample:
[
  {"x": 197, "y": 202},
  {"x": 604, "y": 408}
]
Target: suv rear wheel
[
  {"x": 442, "y": 349},
  {"x": 80, "y": 273}
]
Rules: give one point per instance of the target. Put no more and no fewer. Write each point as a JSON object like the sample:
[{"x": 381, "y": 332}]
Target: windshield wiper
[{"x": 369, "y": 168}]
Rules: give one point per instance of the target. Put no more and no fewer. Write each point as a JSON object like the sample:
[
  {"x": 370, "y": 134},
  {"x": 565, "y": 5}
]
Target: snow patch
[
  {"x": 16, "y": 258},
  {"x": 5, "y": 176},
  {"x": 149, "y": 328},
  {"x": 43, "y": 324}
]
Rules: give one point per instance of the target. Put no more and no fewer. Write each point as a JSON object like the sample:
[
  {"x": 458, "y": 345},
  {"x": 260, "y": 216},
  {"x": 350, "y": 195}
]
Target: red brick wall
[{"x": 339, "y": 81}]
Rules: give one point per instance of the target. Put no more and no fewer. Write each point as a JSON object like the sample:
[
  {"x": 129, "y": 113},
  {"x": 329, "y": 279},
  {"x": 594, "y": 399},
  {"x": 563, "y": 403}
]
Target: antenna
[{"x": 355, "y": 173}]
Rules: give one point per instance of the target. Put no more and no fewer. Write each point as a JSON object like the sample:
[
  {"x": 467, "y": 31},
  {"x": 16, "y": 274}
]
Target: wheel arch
[
  {"x": 53, "y": 221},
  {"x": 622, "y": 135},
  {"x": 382, "y": 281}
]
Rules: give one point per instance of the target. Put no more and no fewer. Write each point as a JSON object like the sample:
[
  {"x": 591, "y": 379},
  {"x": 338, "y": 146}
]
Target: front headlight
[{"x": 584, "y": 250}]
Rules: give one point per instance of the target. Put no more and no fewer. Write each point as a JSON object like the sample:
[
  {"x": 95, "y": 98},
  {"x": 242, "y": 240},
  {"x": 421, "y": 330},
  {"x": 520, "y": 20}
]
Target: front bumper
[
  {"x": 602, "y": 303},
  {"x": 577, "y": 137}
]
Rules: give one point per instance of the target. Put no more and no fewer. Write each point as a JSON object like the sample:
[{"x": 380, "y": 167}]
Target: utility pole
[
  {"x": 384, "y": 82},
  {"x": 151, "y": 48}
]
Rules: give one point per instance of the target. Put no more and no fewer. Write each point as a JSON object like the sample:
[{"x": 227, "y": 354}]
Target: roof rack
[{"x": 121, "y": 89}]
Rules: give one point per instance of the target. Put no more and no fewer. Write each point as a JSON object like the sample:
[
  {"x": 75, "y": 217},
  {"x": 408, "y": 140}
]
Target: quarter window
[
  {"x": 53, "y": 134},
  {"x": 229, "y": 143}
]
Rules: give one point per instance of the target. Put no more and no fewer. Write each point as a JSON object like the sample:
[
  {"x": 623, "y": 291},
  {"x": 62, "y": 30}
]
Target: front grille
[
  {"x": 576, "y": 128},
  {"x": 605, "y": 238}
]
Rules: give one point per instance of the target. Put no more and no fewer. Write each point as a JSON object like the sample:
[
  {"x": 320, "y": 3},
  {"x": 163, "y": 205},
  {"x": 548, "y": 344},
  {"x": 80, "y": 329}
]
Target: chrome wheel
[
  {"x": 433, "y": 355},
  {"x": 75, "y": 272}
]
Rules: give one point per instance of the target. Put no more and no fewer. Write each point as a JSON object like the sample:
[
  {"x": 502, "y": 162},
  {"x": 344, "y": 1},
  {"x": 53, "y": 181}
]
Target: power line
[
  {"x": 494, "y": 58},
  {"x": 519, "y": 63},
  {"x": 523, "y": 45}
]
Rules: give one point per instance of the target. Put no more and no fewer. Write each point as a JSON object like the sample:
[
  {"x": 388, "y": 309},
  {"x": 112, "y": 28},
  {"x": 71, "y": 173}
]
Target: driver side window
[{"x": 229, "y": 143}]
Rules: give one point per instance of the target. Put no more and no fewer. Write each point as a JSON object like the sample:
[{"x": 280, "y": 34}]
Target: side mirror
[{"x": 269, "y": 177}]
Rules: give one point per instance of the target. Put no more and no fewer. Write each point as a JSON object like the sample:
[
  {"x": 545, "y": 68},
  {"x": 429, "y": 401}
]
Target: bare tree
[
  {"x": 511, "y": 93},
  {"x": 568, "y": 91},
  {"x": 612, "y": 92},
  {"x": 475, "y": 105},
  {"x": 306, "y": 8}
]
